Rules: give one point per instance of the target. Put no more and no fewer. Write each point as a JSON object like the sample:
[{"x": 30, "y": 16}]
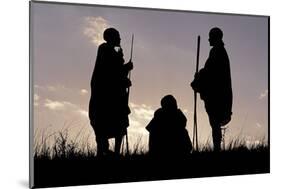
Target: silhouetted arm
[
  {"x": 128, "y": 67},
  {"x": 182, "y": 118}
]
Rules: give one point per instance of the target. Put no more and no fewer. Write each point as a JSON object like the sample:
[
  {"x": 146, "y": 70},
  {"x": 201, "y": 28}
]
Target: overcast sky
[{"x": 65, "y": 40}]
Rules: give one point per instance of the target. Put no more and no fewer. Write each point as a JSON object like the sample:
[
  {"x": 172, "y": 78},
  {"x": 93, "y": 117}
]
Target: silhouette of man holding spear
[
  {"x": 213, "y": 82},
  {"x": 108, "y": 107}
]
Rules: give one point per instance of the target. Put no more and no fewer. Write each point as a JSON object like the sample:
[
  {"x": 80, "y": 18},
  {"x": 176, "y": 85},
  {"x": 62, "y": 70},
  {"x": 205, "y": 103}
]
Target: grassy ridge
[
  {"x": 63, "y": 147},
  {"x": 67, "y": 162}
]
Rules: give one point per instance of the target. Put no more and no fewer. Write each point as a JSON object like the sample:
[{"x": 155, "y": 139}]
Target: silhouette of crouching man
[{"x": 168, "y": 137}]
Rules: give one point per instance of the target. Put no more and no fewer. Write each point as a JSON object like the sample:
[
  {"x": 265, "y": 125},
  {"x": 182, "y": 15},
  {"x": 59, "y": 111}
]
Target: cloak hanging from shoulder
[
  {"x": 213, "y": 82},
  {"x": 108, "y": 107}
]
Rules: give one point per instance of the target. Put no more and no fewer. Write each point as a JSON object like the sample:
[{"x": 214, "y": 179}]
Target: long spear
[
  {"x": 195, "y": 133},
  {"x": 128, "y": 92},
  {"x": 131, "y": 56}
]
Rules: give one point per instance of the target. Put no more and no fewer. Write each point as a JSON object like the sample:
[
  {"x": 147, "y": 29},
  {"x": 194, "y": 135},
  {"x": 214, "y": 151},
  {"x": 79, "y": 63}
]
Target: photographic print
[{"x": 122, "y": 94}]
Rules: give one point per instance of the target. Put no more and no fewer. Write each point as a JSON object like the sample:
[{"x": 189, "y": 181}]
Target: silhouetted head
[
  {"x": 169, "y": 103},
  {"x": 111, "y": 36},
  {"x": 215, "y": 36}
]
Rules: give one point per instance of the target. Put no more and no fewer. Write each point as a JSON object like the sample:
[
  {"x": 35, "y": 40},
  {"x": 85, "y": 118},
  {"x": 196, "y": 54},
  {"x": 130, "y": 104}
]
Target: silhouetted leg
[
  {"x": 118, "y": 141},
  {"x": 217, "y": 135},
  {"x": 102, "y": 145},
  {"x": 217, "y": 138}
]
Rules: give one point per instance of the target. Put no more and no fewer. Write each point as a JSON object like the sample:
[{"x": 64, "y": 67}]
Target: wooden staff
[
  {"x": 195, "y": 132},
  {"x": 128, "y": 92}
]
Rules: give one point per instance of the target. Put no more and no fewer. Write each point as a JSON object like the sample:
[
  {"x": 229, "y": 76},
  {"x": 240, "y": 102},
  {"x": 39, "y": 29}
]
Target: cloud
[
  {"x": 54, "y": 105},
  {"x": 65, "y": 106},
  {"x": 82, "y": 112},
  {"x": 51, "y": 88},
  {"x": 38, "y": 87},
  {"x": 186, "y": 111},
  {"x": 94, "y": 28},
  {"x": 83, "y": 92},
  {"x": 36, "y": 99},
  {"x": 59, "y": 105},
  {"x": 144, "y": 112},
  {"x": 263, "y": 94},
  {"x": 134, "y": 123},
  {"x": 258, "y": 125},
  {"x": 140, "y": 116},
  {"x": 132, "y": 105}
]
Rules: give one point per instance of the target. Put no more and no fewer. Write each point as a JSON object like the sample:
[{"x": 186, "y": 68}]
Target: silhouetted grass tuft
[{"x": 61, "y": 147}]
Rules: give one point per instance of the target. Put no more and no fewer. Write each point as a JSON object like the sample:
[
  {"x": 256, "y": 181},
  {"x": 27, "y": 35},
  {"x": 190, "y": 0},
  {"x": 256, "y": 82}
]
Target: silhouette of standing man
[
  {"x": 108, "y": 107},
  {"x": 213, "y": 82}
]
